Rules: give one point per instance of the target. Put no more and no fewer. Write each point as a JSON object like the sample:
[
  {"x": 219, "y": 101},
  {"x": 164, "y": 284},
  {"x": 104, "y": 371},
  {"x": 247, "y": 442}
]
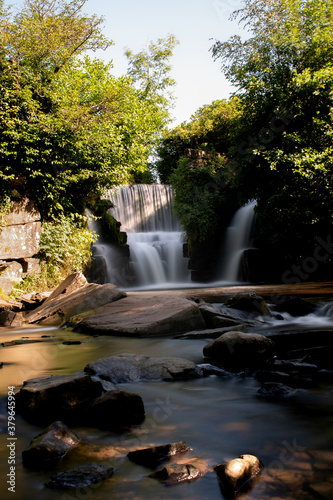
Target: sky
[{"x": 195, "y": 23}]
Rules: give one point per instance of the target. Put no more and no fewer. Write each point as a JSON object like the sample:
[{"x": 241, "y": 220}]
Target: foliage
[
  {"x": 210, "y": 128},
  {"x": 204, "y": 200},
  {"x": 68, "y": 127},
  {"x": 283, "y": 149}
]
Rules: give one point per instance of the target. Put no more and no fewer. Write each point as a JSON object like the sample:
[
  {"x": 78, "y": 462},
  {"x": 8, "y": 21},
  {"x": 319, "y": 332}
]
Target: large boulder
[
  {"x": 56, "y": 311},
  {"x": 57, "y": 397},
  {"x": 142, "y": 315},
  {"x": 133, "y": 367},
  {"x": 237, "y": 475},
  {"x": 237, "y": 350},
  {"x": 49, "y": 447}
]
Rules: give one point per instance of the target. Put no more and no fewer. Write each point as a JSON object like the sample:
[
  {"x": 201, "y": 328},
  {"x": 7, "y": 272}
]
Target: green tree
[{"x": 283, "y": 150}]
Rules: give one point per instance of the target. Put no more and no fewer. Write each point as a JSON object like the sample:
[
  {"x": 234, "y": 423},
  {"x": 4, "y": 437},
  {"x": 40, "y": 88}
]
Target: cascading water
[
  {"x": 154, "y": 234},
  {"x": 238, "y": 239}
]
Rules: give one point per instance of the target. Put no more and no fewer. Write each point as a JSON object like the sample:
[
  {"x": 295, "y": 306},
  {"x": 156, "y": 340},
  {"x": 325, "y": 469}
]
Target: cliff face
[{"x": 20, "y": 238}]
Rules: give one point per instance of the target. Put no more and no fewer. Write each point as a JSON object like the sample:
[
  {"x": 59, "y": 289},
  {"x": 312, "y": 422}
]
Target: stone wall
[{"x": 19, "y": 242}]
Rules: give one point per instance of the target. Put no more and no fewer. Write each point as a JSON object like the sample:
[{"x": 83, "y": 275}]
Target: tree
[
  {"x": 69, "y": 129},
  {"x": 282, "y": 153}
]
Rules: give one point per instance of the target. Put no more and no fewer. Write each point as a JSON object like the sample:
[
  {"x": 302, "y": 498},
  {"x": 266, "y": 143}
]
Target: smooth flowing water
[
  {"x": 219, "y": 418},
  {"x": 154, "y": 234}
]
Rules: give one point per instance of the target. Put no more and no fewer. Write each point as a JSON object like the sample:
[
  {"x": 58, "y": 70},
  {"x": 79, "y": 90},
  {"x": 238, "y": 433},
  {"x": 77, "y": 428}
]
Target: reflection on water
[{"x": 219, "y": 418}]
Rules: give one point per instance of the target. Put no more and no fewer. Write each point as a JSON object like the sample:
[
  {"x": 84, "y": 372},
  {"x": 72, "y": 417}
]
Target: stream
[{"x": 220, "y": 418}]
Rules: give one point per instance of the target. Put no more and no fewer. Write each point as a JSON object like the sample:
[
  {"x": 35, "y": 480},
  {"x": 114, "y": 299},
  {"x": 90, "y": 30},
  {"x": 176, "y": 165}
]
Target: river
[{"x": 219, "y": 418}]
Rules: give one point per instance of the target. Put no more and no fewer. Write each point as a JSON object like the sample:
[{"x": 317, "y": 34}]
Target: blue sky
[{"x": 134, "y": 23}]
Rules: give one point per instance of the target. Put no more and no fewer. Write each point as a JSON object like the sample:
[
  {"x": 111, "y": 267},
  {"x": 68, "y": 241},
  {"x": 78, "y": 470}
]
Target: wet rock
[
  {"x": 275, "y": 390},
  {"x": 133, "y": 367},
  {"x": 171, "y": 475},
  {"x": 11, "y": 318},
  {"x": 49, "y": 447},
  {"x": 249, "y": 302},
  {"x": 207, "y": 370},
  {"x": 152, "y": 457},
  {"x": 238, "y": 475},
  {"x": 295, "y": 306},
  {"x": 58, "y": 310},
  {"x": 116, "y": 409},
  {"x": 287, "y": 341},
  {"x": 81, "y": 477},
  {"x": 72, "y": 342},
  {"x": 57, "y": 397},
  {"x": 238, "y": 350},
  {"x": 214, "y": 318},
  {"x": 294, "y": 366},
  {"x": 143, "y": 315}
]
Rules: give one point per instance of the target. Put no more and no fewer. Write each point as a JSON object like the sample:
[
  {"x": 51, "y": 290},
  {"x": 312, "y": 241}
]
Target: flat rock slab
[
  {"x": 143, "y": 316},
  {"x": 175, "y": 474},
  {"x": 133, "y": 367}
]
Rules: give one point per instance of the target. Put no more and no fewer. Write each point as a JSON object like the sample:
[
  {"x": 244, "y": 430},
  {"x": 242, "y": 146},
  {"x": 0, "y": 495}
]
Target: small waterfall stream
[
  {"x": 154, "y": 235},
  {"x": 238, "y": 239}
]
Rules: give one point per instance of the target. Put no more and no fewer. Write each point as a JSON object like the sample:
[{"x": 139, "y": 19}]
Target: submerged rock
[
  {"x": 238, "y": 475},
  {"x": 133, "y": 367},
  {"x": 175, "y": 474},
  {"x": 57, "y": 397},
  {"x": 81, "y": 477},
  {"x": 49, "y": 447},
  {"x": 143, "y": 315},
  {"x": 116, "y": 409},
  {"x": 238, "y": 350},
  {"x": 152, "y": 457},
  {"x": 276, "y": 390}
]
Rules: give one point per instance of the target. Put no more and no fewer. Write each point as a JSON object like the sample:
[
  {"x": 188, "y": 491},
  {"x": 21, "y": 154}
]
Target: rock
[
  {"x": 6, "y": 285},
  {"x": 175, "y": 474},
  {"x": 81, "y": 477},
  {"x": 72, "y": 283},
  {"x": 293, "y": 366},
  {"x": 11, "y": 319},
  {"x": 11, "y": 270},
  {"x": 20, "y": 241},
  {"x": 116, "y": 409},
  {"x": 152, "y": 457},
  {"x": 275, "y": 390},
  {"x": 288, "y": 341},
  {"x": 249, "y": 302},
  {"x": 238, "y": 475},
  {"x": 49, "y": 447},
  {"x": 58, "y": 310},
  {"x": 22, "y": 211},
  {"x": 143, "y": 315},
  {"x": 238, "y": 350},
  {"x": 295, "y": 306},
  {"x": 57, "y": 397},
  {"x": 71, "y": 342},
  {"x": 214, "y": 318},
  {"x": 211, "y": 333},
  {"x": 133, "y": 367},
  {"x": 30, "y": 266},
  {"x": 10, "y": 305}
]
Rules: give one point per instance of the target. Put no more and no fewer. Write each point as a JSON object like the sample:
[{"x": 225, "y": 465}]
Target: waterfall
[
  {"x": 238, "y": 239},
  {"x": 154, "y": 234}
]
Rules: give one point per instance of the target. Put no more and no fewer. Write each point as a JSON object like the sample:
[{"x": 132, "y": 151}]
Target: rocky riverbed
[{"x": 242, "y": 377}]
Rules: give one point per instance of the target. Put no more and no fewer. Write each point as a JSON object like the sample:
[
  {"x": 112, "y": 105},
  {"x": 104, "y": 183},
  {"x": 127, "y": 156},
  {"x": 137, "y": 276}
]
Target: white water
[
  {"x": 154, "y": 235},
  {"x": 238, "y": 239}
]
